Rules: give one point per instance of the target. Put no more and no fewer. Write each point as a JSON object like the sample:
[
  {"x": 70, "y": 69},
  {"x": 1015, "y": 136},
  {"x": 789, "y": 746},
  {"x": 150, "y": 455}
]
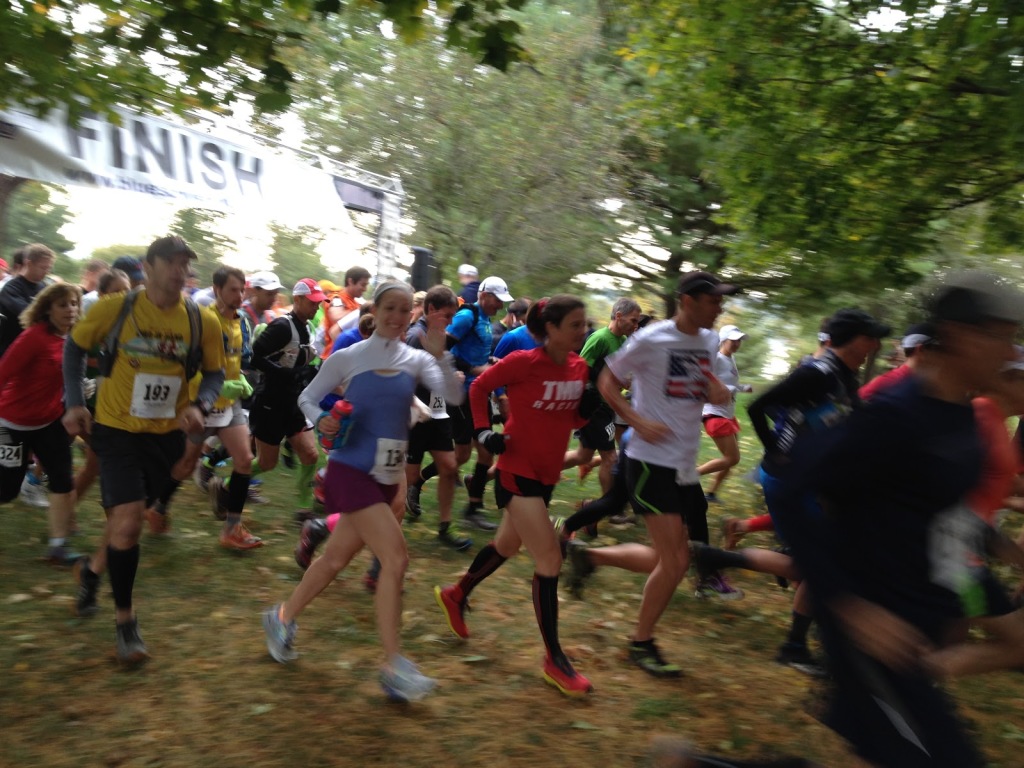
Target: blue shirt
[
  {"x": 347, "y": 339},
  {"x": 516, "y": 339},
  {"x": 474, "y": 338}
]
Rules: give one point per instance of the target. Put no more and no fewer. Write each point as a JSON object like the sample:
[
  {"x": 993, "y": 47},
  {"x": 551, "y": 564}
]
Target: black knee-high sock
[
  {"x": 479, "y": 481},
  {"x": 486, "y": 562},
  {"x": 711, "y": 559},
  {"x": 697, "y": 523},
  {"x": 545, "y": 605},
  {"x": 612, "y": 503},
  {"x": 426, "y": 473},
  {"x": 122, "y": 564},
  {"x": 238, "y": 490},
  {"x": 798, "y": 629}
]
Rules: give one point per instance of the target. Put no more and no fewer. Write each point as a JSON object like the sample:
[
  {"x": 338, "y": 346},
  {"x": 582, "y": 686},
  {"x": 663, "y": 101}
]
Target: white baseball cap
[
  {"x": 496, "y": 286},
  {"x": 266, "y": 280},
  {"x": 731, "y": 333},
  {"x": 468, "y": 270}
]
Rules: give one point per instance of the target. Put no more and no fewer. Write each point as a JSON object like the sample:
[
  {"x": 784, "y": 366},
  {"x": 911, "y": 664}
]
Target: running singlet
[
  {"x": 544, "y": 400},
  {"x": 147, "y": 388},
  {"x": 669, "y": 370},
  {"x": 379, "y": 377},
  {"x": 727, "y": 373},
  {"x": 231, "y": 336},
  {"x": 433, "y": 400}
]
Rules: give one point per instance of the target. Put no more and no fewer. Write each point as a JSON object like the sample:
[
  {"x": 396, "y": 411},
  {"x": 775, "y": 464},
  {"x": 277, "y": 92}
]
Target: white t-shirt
[
  {"x": 669, "y": 383},
  {"x": 727, "y": 373}
]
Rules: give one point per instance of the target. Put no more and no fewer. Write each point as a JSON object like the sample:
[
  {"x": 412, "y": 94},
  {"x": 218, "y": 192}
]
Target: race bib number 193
[{"x": 155, "y": 397}]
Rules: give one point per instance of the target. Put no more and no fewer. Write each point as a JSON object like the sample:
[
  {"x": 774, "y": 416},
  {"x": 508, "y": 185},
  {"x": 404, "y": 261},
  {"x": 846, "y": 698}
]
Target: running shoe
[
  {"x": 130, "y": 648},
  {"x": 711, "y": 498},
  {"x": 280, "y": 636},
  {"x": 717, "y": 586},
  {"x": 731, "y": 533},
  {"x": 61, "y": 555},
  {"x": 253, "y": 495},
  {"x": 558, "y": 523},
  {"x": 580, "y": 567},
  {"x": 33, "y": 493},
  {"x": 454, "y": 606},
  {"x": 412, "y": 503},
  {"x": 302, "y": 515},
  {"x": 458, "y": 543},
  {"x": 476, "y": 519},
  {"x": 159, "y": 522},
  {"x": 799, "y": 657},
  {"x": 648, "y": 657},
  {"x": 88, "y": 586},
  {"x": 202, "y": 474},
  {"x": 566, "y": 679},
  {"x": 583, "y": 470},
  {"x": 218, "y": 498},
  {"x": 239, "y": 538},
  {"x": 403, "y": 681},
  {"x": 622, "y": 519},
  {"x": 314, "y": 532}
]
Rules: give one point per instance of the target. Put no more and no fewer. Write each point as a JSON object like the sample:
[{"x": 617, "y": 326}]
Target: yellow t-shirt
[
  {"x": 231, "y": 335},
  {"x": 147, "y": 389}
]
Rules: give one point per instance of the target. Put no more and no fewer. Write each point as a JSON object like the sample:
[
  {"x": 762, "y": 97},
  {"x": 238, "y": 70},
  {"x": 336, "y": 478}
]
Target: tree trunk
[{"x": 8, "y": 185}]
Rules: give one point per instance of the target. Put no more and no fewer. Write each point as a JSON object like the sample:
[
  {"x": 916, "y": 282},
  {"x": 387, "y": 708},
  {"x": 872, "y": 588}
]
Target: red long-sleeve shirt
[
  {"x": 543, "y": 400},
  {"x": 31, "y": 380}
]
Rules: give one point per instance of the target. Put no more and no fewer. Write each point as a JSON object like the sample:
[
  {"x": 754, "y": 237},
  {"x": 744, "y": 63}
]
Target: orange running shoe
[
  {"x": 239, "y": 538},
  {"x": 454, "y": 606},
  {"x": 566, "y": 679}
]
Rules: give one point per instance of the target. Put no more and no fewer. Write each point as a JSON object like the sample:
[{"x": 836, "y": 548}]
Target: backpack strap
[
  {"x": 475, "y": 311},
  {"x": 108, "y": 347},
  {"x": 194, "y": 356}
]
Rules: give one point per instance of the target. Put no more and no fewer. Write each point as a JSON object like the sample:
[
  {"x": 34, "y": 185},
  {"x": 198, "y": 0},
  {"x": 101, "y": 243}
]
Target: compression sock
[
  {"x": 486, "y": 562},
  {"x": 304, "y": 483},
  {"x": 798, "y": 629},
  {"x": 426, "y": 474},
  {"x": 478, "y": 482},
  {"x": 122, "y": 565},
  {"x": 545, "y": 605},
  {"x": 238, "y": 490},
  {"x": 759, "y": 524},
  {"x": 711, "y": 559}
]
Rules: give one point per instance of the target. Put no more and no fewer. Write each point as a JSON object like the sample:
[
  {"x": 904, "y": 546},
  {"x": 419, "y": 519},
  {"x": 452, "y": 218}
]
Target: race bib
[
  {"x": 155, "y": 397},
  {"x": 438, "y": 408},
  {"x": 389, "y": 462},
  {"x": 219, "y": 417},
  {"x": 10, "y": 456}
]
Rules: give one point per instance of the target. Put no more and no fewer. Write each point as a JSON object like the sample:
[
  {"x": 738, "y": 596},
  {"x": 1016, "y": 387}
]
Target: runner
[
  {"x": 142, "y": 410},
  {"x": 546, "y": 391},
  {"x": 379, "y": 377}
]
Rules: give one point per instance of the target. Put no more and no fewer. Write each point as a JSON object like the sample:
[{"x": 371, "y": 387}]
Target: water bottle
[{"x": 342, "y": 411}]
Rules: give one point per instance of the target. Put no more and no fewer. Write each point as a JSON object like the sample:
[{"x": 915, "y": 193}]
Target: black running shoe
[
  {"x": 648, "y": 657},
  {"x": 314, "y": 532},
  {"x": 412, "y": 503},
  {"x": 88, "y": 586},
  {"x": 458, "y": 543},
  {"x": 130, "y": 648},
  {"x": 799, "y": 657}
]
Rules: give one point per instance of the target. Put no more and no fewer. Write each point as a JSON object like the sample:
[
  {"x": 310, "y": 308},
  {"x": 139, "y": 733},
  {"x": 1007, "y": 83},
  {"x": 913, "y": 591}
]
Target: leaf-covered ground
[{"x": 211, "y": 696}]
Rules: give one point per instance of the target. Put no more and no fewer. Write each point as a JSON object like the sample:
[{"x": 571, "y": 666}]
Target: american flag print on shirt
[{"x": 688, "y": 371}]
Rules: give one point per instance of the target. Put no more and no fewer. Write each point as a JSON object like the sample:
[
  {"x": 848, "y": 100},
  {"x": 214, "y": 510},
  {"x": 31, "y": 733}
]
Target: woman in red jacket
[
  {"x": 547, "y": 400},
  {"x": 31, "y": 406}
]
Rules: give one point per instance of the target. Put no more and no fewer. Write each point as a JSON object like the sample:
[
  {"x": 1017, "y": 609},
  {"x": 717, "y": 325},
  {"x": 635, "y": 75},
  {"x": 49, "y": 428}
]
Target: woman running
[
  {"x": 548, "y": 398},
  {"x": 379, "y": 377},
  {"x": 31, "y": 407}
]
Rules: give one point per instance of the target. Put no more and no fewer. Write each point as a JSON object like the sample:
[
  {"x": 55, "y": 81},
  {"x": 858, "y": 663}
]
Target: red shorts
[
  {"x": 347, "y": 489},
  {"x": 719, "y": 426}
]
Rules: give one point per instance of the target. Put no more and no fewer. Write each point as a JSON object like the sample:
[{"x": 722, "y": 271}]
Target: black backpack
[{"x": 108, "y": 347}]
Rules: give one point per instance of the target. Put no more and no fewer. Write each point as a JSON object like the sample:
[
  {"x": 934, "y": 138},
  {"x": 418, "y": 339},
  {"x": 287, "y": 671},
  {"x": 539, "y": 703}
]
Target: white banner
[{"x": 155, "y": 157}]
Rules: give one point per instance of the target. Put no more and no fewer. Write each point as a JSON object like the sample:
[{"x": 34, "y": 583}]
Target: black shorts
[
  {"x": 430, "y": 435},
  {"x": 598, "y": 434},
  {"x": 507, "y": 485},
  {"x": 462, "y": 423},
  {"x": 271, "y": 422},
  {"x": 653, "y": 490},
  {"x": 50, "y": 444},
  {"x": 134, "y": 466}
]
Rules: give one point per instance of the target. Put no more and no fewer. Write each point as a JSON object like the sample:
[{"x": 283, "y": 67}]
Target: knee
[
  {"x": 243, "y": 462},
  {"x": 675, "y": 567},
  {"x": 396, "y": 561}
]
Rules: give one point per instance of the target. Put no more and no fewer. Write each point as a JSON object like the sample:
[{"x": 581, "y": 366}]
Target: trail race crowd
[{"x": 885, "y": 498}]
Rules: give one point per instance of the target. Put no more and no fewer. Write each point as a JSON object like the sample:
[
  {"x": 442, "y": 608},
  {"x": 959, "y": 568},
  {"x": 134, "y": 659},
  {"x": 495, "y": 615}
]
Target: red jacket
[{"x": 31, "y": 378}]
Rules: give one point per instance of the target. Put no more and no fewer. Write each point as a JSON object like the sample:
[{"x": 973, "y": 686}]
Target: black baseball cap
[
  {"x": 847, "y": 324},
  {"x": 974, "y": 297},
  {"x": 165, "y": 247},
  {"x": 698, "y": 281}
]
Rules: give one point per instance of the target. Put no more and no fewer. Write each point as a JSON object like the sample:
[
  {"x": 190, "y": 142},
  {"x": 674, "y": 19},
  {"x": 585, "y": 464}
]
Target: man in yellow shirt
[{"x": 142, "y": 409}]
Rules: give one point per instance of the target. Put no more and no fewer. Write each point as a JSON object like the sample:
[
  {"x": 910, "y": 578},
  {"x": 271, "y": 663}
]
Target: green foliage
[
  {"x": 845, "y": 145},
  {"x": 109, "y": 253},
  {"x": 201, "y": 229},
  {"x": 294, "y": 254},
  {"x": 506, "y": 172},
  {"x": 33, "y": 217},
  {"x": 203, "y": 53}
]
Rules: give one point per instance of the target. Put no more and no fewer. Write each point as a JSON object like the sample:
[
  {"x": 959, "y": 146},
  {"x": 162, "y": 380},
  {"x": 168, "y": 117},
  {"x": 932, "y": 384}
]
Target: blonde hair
[{"x": 39, "y": 310}]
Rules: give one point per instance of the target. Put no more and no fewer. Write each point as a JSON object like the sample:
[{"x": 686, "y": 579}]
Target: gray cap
[{"x": 975, "y": 297}]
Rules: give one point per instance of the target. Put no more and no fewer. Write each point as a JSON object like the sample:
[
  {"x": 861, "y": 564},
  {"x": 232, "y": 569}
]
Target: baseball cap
[
  {"x": 917, "y": 334},
  {"x": 131, "y": 266},
  {"x": 165, "y": 247},
  {"x": 329, "y": 287},
  {"x": 847, "y": 324},
  {"x": 266, "y": 280},
  {"x": 307, "y": 287},
  {"x": 698, "y": 281},
  {"x": 496, "y": 286},
  {"x": 974, "y": 297},
  {"x": 468, "y": 270},
  {"x": 731, "y": 332}
]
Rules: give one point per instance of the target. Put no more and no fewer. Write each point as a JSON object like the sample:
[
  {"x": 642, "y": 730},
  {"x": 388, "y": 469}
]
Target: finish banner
[{"x": 155, "y": 157}]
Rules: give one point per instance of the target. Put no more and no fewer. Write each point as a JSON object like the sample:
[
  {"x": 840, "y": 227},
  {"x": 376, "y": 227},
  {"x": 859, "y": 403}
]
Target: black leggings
[{"x": 50, "y": 444}]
